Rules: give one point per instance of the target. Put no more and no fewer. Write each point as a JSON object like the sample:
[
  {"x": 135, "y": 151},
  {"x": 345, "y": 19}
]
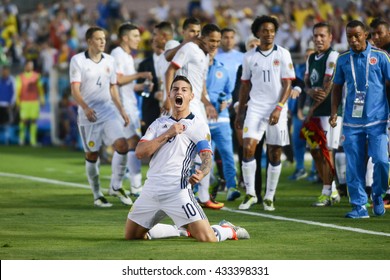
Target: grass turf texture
[{"x": 52, "y": 221}]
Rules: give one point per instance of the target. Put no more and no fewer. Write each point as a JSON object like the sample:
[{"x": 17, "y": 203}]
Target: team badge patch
[
  {"x": 91, "y": 144},
  {"x": 108, "y": 70},
  {"x": 373, "y": 60},
  {"x": 219, "y": 74},
  {"x": 208, "y": 137},
  {"x": 331, "y": 65},
  {"x": 276, "y": 62},
  {"x": 245, "y": 129},
  {"x": 290, "y": 66}
]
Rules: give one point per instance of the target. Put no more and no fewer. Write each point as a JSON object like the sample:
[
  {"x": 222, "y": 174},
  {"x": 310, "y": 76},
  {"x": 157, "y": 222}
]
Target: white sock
[
  {"x": 163, "y": 231},
  {"x": 248, "y": 174},
  {"x": 273, "y": 174},
  {"x": 118, "y": 168},
  {"x": 327, "y": 190},
  {"x": 203, "y": 190},
  {"x": 341, "y": 167},
  {"x": 333, "y": 187},
  {"x": 222, "y": 233},
  {"x": 92, "y": 169},
  {"x": 134, "y": 165},
  {"x": 369, "y": 172}
]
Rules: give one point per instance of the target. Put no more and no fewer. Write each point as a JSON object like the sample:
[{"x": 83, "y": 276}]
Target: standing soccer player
[
  {"x": 267, "y": 72},
  {"x": 318, "y": 84},
  {"x": 93, "y": 83},
  {"x": 364, "y": 70},
  {"x": 173, "y": 141},
  {"x": 129, "y": 36}
]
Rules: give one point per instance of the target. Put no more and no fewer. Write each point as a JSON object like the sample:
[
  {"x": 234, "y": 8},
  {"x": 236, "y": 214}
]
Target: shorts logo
[
  {"x": 373, "y": 60},
  {"x": 219, "y": 74},
  {"x": 276, "y": 62},
  {"x": 91, "y": 144},
  {"x": 246, "y": 129}
]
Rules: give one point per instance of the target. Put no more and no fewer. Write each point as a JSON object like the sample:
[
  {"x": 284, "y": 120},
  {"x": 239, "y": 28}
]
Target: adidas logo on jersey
[{"x": 165, "y": 126}]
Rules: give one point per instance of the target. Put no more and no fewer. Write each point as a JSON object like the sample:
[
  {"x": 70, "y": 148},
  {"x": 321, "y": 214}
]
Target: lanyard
[{"x": 353, "y": 70}]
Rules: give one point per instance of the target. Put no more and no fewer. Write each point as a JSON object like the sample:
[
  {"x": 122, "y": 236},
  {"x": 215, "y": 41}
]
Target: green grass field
[{"x": 47, "y": 212}]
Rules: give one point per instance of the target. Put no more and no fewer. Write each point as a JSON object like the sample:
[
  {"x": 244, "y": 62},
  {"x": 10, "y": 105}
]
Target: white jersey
[
  {"x": 124, "y": 63},
  {"x": 95, "y": 80},
  {"x": 266, "y": 72},
  {"x": 192, "y": 63},
  {"x": 170, "y": 166}
]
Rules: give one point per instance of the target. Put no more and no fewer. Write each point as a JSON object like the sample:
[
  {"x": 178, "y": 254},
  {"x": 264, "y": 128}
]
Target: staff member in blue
[
  {"x": 365, "y": 70},
  {"x": 219, "y": 88}
]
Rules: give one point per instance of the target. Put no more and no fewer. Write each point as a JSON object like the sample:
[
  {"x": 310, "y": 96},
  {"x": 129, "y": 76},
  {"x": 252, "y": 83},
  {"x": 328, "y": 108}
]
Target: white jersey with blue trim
[{"x": 170, "y": 166}]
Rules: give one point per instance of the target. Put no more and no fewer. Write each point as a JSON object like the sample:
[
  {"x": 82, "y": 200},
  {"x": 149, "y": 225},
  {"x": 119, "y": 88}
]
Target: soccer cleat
[
  {"x": 232, "y": 194},
  {"x": 323, "y": 200},
  {"x": 120, "y": 193},
  {"x": 378, "y": 207},
  {"x": 136, "y": 191},
  {"x": 358, "y": 212},
  {"x": 342, "y": 189},
  {"x": 249, "y": 200},
  {"x": 298, "y": 174},
  {"x": 238, "y": 232},
  {"x": 212, "y": 204},
  {"x": 102, "y": 202},
  {"x": 335, "y": 197},
  {"x": 268, "y": 205}
]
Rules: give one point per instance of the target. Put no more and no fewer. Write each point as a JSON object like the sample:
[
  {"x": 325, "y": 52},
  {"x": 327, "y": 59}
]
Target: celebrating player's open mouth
[{"x": 178, "y": 100}]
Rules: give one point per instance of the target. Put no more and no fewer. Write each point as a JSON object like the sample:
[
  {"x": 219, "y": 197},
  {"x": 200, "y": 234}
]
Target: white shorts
[
  {"x": 93, "y": 135},
  {"x": 332, "y": 134},
  {"x": 255, "y": 127},
  {"x": 151, "y": 207},
  {"x": 134, "y": 128}
]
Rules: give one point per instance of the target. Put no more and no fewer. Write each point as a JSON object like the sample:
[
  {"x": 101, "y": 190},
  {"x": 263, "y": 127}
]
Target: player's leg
[
  {"x": 34, "y": 115},
  {"x": 134, "y": 231}
]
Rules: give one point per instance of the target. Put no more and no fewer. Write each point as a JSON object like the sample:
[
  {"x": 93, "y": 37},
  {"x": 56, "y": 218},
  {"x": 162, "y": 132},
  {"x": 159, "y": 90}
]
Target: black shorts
[{"x": 4, "y": 115}]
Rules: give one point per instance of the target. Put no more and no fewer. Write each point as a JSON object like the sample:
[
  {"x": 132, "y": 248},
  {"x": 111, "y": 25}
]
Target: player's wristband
[{"x": 279, "y": 106}]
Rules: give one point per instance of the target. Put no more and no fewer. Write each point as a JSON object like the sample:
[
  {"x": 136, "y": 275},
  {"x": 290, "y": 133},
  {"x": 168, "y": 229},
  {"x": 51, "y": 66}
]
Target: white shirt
[
  {"x": 170, "y": 166},
  {"x": 95, "y": 79},
  {"x": 266, "y": 72},
  {"x": 124, "y": 63}
]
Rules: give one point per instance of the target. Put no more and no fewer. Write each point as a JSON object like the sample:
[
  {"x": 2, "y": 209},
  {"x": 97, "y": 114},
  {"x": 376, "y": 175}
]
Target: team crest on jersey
[
  {"x": 219, "y": 74},
  {"x": 208, "y": 137},
  {"x": 314, "y": 77},
  {"x": 91, "y": 144},
  {"x": 290, "y": 66},
  {"x": 373, "y": 60},
  {"x": 108, "y": 70},
  {"x": 276, "y": 62}
]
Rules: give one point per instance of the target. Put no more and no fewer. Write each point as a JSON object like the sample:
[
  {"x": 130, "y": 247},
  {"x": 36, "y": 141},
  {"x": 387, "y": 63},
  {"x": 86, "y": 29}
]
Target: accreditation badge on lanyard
[{"x": 360, "y": 95}]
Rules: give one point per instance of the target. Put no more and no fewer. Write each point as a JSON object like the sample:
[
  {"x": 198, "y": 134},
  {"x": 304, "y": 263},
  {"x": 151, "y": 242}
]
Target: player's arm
[
  {"x": 243, "y": 97},
  {"x": 76, "y": 93},
  {"x": 118, "y": 104},
  {"x": 204, "y": 169},
  {"x": 169, "y": 75},
  {"x": 147, "y": 148},
  {"x": 286, "y": 91},
  {"x": 337, "y": 94},
  {"x": 126, "y": 79},
  {"x": 210, "y": 109}
]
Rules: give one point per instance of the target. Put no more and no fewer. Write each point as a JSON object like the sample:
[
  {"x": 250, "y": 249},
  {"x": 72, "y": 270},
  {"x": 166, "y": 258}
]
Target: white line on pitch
[
  {"x": 77, "y": 185},
  {"x": 307, "y": 222}
]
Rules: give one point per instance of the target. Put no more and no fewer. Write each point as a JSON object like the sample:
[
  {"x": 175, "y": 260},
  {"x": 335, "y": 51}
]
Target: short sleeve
[
  {"x": 74, "y": 71},
  {"x": 246, "y": 71},
  {"x": 331, "y": 63},
  {"x": 288, "y": 72},
  {"x": 151, "y": 132}
]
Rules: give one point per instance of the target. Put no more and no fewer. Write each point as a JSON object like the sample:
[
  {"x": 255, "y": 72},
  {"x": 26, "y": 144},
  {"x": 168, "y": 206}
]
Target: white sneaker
[
  {"x": 335, "y": 197},
  {"x": 136, "y": 191},
  {"x": 239, "y": 232},
  {"x": 120, "y": 193},
  {"x": 102, "y": 202},
  {"x": 249, "y": 200},
  {"x": 268, "y": 205}
]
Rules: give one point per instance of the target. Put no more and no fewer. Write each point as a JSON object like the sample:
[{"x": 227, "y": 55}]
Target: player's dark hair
[
  {"x": 323, "y": 24},
  {"x": 181, "y": 78},
  {"x": 259, "y": 21},
  {"x": 356, "y": 23},
  {"x": 209, "y": 28},
  {"x": 165, "y": 26},
  {"x": 227, "y": 29},
  {"x": 91, "y": 31},
  {"x": 379, "y": 21},
  {"x": 190, "y": 20},
  {"x": 125, "y": 28}
]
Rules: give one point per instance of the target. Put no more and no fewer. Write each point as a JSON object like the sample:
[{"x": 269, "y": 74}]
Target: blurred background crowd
[{"x": 49, "y": 33}]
